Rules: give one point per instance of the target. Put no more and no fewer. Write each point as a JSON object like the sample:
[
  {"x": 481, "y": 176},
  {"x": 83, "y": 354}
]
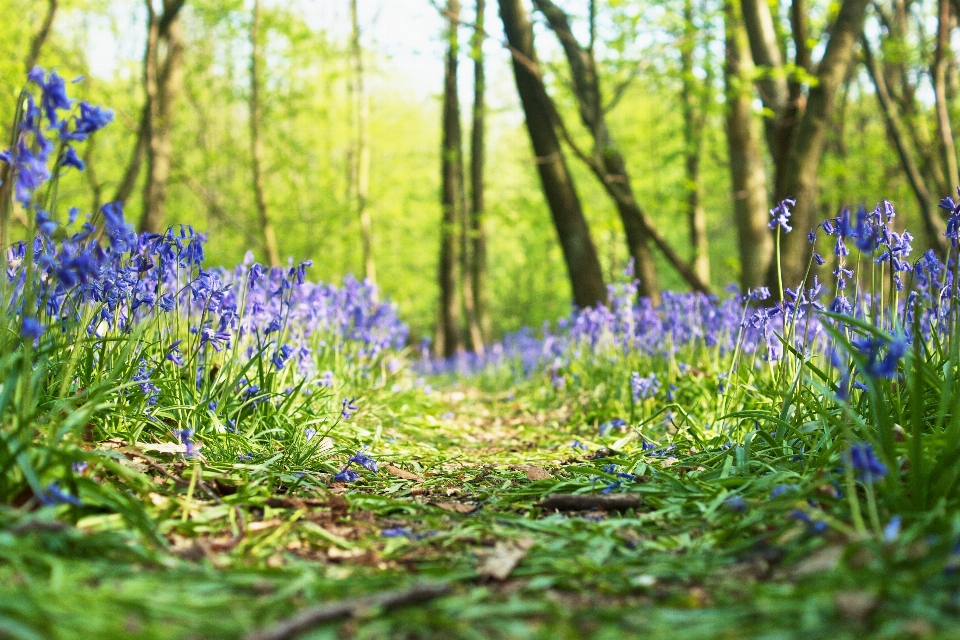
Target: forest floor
[{"x": 450, "y": 539}]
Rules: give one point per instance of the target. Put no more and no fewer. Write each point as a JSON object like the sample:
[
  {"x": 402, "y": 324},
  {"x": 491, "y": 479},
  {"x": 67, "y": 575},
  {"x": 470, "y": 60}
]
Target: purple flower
[
  {"x": 186, "y": 438},
  {"x": 643, "y": 387},
  {"x": 396, "y": 532},
  {"x": 364, "y": 461},
  {"x": 70, "y": 159},
  {"x": 347, "y": 475},
  {"x": 90, "y": 120},
  {"x": 348, "y": 408},
  {"x": 863, "y": 459},
  {"x": 892, "y": 531},
  {"x": 54, "y": 495},
  {"x": 780, "y": 215},
  {"x": 31, "y": 328}
]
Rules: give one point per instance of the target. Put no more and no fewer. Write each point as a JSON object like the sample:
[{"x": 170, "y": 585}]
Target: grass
[{"x": 188, "y": 453}]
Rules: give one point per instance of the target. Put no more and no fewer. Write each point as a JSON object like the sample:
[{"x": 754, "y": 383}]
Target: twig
[
  {"x": 585, "y": 502},
  {"x": 309, "y": 618}
]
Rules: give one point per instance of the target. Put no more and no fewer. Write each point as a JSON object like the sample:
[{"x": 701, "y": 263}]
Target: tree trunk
[
  {"x": 926, "y": 203},
  {"x": 606, "y": 161},
  {"x": 6, "y": 194},
  {"x": 268, "y": 238},
  {"x": 361, "y": 156},
  {"x": 164, "y": 79},
  {"x": 807, "y": 150},
  {"x": 579, "y": 251},
  {"x": 747, "y": 170},
  {"x": 448, "y": 341},
  {"x": 941, "y": 58},
  {"x": 693, "y": 120},
  {"x": 40, "y": 38},
  {"x": 478, "y": 238}
]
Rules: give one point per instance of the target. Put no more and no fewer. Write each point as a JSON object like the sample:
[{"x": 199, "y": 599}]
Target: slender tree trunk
[
  {"x": 6, "y": 194},
  {"x": 807, "y": 151},
  {"x": 771, "y": 81},
  {"x": 40, "y": 38},
  {"x": 579, "y": 252},
  {"x": 132, "y": 172},
  {"x": 939, "y": 75},
  {"x": 361, "y": 155},
  {"x": 448, "y": 341},
  {"x": 606, "y": 161},
  {"x": 693, "y": 115},
  {"x": 746, "y": 155},
  {"x": 895, "y": 131},
  {"x": 268, "y": 237},
  {"x": 478, "y": 238},
  {"x": 164, "y": 75}
]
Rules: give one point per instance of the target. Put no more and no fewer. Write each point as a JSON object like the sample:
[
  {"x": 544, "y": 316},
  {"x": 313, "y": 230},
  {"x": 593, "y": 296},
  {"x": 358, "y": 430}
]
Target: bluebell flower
[
  {"x": 863, "y": 460},
  {"x": 348, "y": 408},
  {"x": 70, "y": 159},
  {"x": 91, "y": 119},
  {"x": 735, "y": 503},
  {"x": 309, "y": 433},
  {"x": 892, "y": 531},
  {"x": 781, "y": 489},
  {"x": 643, "y": 387},
  {"x": 347, "y": 475},
  {"x": 31, "y": 329},
  {"x": 54, "y": 495},
  {"x": 612, "y": 486},
  {"x": 396, "y": 532},
  {"x": 364, "y": 461},
  {"x": 186, "y": 439},
  {"x": 780, "y": 215},
  {"x": 813, "y": 525},
  {"x": 174, "y": 354}
]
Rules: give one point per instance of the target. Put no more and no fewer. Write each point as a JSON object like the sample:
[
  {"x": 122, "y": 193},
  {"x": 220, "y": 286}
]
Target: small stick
[
  {"x": 309, "y": 618},
  {"x": 584, "y": 502}
]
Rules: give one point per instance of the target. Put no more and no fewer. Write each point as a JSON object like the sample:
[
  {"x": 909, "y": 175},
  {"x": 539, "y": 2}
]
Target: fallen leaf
[
  {"x": 457, "y": 507},
  {"x": 503, "y": 558},
  {"x": 264, "y": 524},
  {"x": 167, "y": 447},
  {"x": 668, "y": 462},
  {"x": 855, "y": 606},
  {"x": 336, "y": 553},
  {"x": 401, "y": 473},
  {"x": 822, "y": 561},
  {"x": 537, "y": 473}
]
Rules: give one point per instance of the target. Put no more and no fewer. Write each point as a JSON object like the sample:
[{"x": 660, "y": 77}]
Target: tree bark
[
  {"x": 926, "y": 203},
  {"x": 772, "y": 80},
  {"x": 361, "y": 156},
  {"x": 939, "y": 77},
  {"x": 268, "y": 238},
  {"x": 40, "y": 38},
  {"x": 607, "y": 161},
  {"x": 807, "y": 149},
  {"x": 6, "y": 194},
  {"x": 478, "y": 238},
  {"x": 694, "y": 112},
  {"x": 164, "y": 80},
  {"x": 448, "y": 341},
  {"x": 747, "y": 171},
  {"x": 579, "y": 252}
]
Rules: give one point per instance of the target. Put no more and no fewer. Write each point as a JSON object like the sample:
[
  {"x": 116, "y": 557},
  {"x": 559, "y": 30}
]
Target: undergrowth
[{"x": 197, "y": 452}]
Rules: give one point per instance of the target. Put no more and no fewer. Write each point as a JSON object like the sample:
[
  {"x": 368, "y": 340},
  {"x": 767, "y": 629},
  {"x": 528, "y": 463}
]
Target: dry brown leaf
[
  {"x": 499, "y": 562},
  {"x": 668, "y": 462},
  {"x": 264, "y": 524},
  {"x": 823, "y": 561},
  {"x": 457, "y": 507},
  {"x": 855, "y": 606},
  {"x": 167, "y": 447},
  {"x": 537, "y": 473},
  {"x": 401, "y": 473},
  {"x": 336, "y": 553}
]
